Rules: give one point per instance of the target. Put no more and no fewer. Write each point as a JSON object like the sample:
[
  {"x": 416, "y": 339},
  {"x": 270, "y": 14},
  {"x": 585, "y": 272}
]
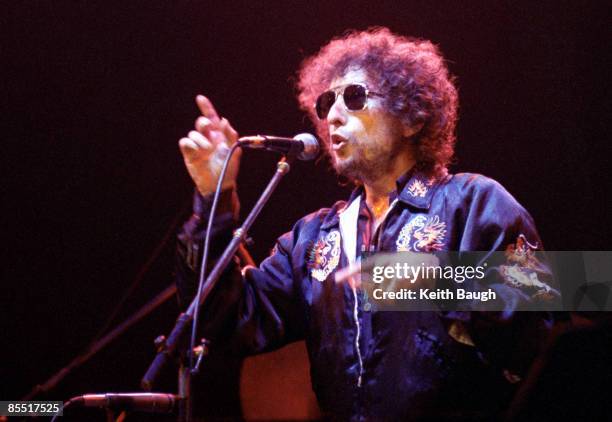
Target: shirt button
[{"x": 367, "y": 306}]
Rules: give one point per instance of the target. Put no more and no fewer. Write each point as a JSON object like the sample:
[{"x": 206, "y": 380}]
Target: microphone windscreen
[{"x": 311, "y": 146}]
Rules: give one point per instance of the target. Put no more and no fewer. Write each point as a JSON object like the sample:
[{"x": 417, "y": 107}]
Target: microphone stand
[{"x": 168, "y": 348}]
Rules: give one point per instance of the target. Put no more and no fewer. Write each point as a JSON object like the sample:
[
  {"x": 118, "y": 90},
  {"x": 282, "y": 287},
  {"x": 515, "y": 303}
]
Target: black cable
[
  {"x": 64, "y": 407},
  {"x": 202, "y": 278}
]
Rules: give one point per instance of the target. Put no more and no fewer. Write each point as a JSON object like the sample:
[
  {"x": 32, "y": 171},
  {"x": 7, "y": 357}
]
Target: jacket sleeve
[
  {"x": 249, "y": 311},
  {"x": 497, "y": 225}
]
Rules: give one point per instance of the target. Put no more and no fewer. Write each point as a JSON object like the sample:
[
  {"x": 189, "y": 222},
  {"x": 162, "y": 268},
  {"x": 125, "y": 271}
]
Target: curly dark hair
[{"x": 412, "y": 75}]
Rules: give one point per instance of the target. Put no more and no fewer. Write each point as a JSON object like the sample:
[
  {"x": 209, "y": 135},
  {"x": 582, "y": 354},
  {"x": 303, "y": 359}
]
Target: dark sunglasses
[{"x": 355, "y": 98}]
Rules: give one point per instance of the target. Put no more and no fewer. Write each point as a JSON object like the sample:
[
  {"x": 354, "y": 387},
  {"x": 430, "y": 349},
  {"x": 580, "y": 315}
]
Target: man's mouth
[{"x": 337, "y": 142}]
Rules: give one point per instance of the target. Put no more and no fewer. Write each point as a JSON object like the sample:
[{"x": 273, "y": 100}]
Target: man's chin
[
  {"x": 347, "y": 168},
  {"x": 340, "y": 165}
]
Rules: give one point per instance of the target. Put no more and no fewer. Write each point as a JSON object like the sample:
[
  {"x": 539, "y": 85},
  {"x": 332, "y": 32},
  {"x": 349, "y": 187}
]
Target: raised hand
[{"x": 205, "y": 148}]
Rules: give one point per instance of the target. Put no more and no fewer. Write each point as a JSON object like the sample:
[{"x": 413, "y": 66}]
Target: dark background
[{"x": 96, "y": 96}]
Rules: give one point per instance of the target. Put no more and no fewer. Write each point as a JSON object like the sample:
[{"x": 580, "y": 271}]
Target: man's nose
[{"x": 337, "y": 113}]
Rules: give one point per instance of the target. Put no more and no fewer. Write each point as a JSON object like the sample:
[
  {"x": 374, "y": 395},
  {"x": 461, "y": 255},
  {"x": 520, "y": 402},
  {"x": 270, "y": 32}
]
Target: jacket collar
[
  {"x": 419, "y": 190},
  {"x": 414, "y": 187}
]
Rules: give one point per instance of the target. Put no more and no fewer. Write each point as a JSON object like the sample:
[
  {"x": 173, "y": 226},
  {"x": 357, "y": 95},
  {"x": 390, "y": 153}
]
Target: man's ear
[{"x": 409, "y": 131}]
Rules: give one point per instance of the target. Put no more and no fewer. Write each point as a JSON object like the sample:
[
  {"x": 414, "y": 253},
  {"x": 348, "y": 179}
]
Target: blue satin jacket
[{"x": 369, "y": 365}]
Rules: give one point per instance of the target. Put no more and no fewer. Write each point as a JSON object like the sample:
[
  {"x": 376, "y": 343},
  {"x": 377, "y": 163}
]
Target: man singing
[{"x": 385, "y": 107}]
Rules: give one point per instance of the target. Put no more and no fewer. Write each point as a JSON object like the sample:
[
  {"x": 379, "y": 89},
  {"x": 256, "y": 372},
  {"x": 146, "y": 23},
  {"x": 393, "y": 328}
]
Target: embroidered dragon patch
[
  {"x": 522, "y": 253},
  {"x": 324, "y": 256},
  {"x": 422, "y": 234},
  {"x": 521, "y": 268}
]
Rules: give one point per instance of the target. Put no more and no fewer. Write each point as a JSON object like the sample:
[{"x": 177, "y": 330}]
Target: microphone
[
  {"x": 143, "y": 402},
  {"x": 304, "y": 145}
]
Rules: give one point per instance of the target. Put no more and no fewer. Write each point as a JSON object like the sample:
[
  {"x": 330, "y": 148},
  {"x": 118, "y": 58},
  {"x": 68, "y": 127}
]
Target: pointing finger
[{"x": 207, "y": 109}]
